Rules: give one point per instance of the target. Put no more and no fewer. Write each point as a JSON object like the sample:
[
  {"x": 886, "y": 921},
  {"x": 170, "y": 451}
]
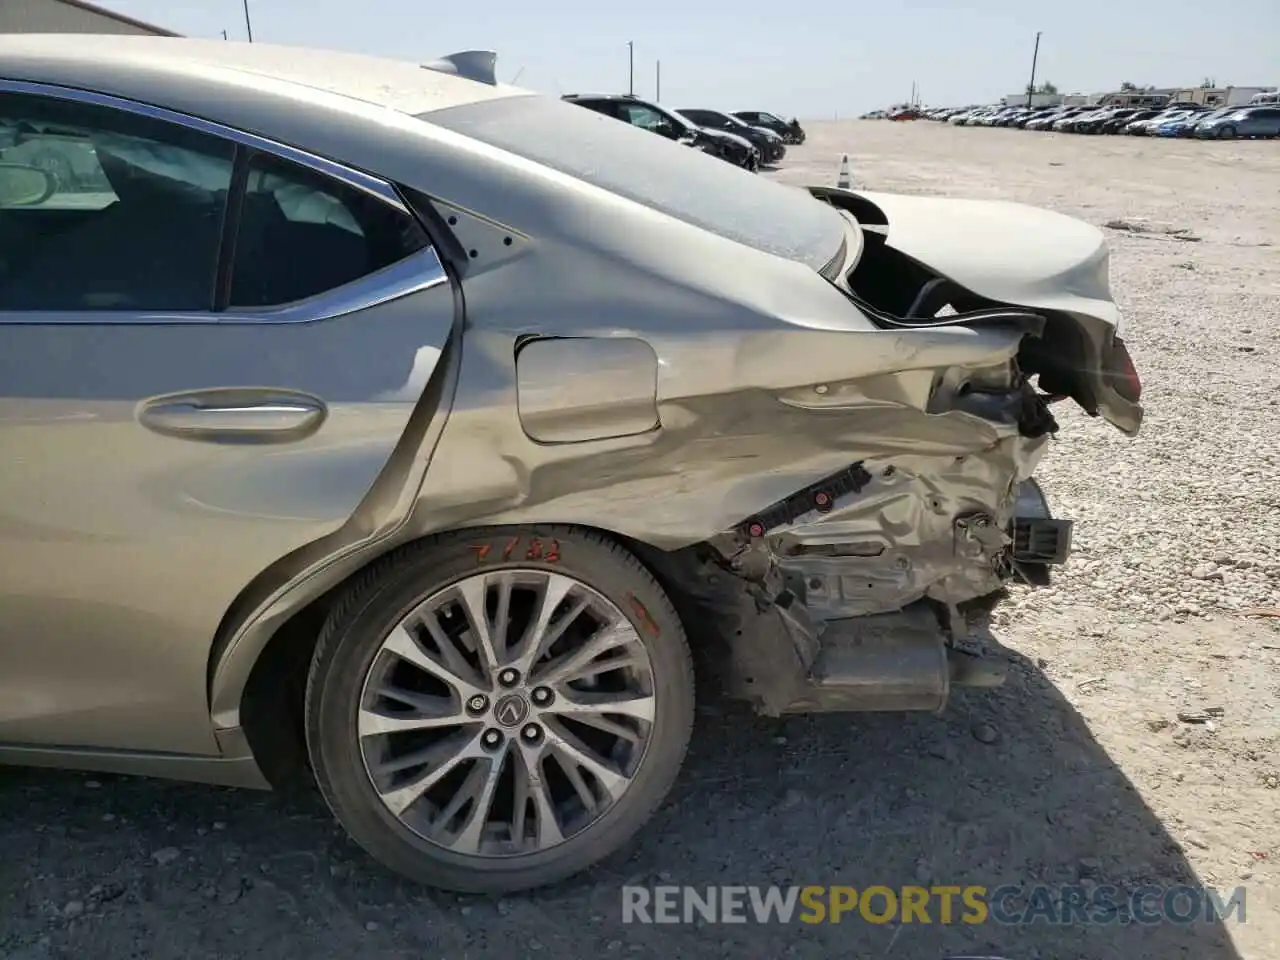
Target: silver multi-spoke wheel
[
  {"x": 507, "y": 712},
  {"x": 497, "y": 709}
]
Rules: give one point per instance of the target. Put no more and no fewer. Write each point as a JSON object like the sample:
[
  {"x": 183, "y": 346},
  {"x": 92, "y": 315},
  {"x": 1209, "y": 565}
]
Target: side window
[
  {"x": 106, "y": 210},
  {"x": 302, "y": 234},
  {"x": 649, "y": 119}
]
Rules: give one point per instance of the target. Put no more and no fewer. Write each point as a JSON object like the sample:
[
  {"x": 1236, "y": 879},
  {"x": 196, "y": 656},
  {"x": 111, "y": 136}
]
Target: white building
[{"x": 70, "y": 16}]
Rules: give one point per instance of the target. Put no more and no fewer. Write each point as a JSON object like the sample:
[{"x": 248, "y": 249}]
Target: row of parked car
[
  {"x": 1171, "y": 120},
  {"x": 746, "y": 138}
]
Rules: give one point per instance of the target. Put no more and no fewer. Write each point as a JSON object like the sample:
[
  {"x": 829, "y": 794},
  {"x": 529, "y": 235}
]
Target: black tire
[
  {"x": 374, "y": 604},
  {"x": 1227, "y": 133}
]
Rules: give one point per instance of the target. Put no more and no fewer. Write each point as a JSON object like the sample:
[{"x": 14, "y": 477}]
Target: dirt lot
[{"x": 1079, "y": 770}]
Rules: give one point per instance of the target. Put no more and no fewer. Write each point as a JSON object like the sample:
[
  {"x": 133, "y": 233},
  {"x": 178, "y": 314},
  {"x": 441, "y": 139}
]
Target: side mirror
[{"x": 22, "y": 185}]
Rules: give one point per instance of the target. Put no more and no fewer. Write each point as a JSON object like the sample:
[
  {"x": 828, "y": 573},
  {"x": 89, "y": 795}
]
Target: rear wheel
[{"x": 499, "y": 710}]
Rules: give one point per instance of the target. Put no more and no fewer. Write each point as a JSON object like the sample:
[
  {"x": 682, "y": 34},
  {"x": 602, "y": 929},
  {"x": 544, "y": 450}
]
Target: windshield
[{"x": 673, "y": 179}]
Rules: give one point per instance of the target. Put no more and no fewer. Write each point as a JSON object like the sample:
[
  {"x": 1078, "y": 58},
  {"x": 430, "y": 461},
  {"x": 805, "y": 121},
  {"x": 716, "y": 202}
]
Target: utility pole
[
  {"x": 248, "y": 26},
  {"x": 1031, "y": 87},
  {"x": 631, "y": 67},
  {"x": 224, "y": 35},
  {"x": 657, "y": 83}
]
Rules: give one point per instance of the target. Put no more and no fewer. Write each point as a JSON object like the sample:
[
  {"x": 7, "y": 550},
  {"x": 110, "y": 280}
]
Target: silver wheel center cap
[{"x": 511, "y": 710}]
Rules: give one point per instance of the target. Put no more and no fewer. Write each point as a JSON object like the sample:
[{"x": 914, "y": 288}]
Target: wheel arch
[{"x": 270, "y": 701}]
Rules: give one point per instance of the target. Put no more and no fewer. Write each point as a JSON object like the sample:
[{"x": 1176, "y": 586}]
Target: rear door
[
  {"x": 209, "y": 347},
  {"x": 1263, "y": 122}
]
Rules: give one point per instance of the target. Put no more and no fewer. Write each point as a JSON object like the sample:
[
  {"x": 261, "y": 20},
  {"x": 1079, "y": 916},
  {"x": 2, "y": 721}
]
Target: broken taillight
[{"x": 1121, "y": 372}]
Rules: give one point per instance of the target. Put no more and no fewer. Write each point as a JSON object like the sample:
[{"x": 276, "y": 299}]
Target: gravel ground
[{"x": 1078, "y": 770}]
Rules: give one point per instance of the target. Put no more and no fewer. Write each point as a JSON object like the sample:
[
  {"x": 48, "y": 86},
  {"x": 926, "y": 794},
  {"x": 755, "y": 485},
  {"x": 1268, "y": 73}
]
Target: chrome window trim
[
  {"x": 415, "y": 273},
  {"x": 337, "y": 171}
]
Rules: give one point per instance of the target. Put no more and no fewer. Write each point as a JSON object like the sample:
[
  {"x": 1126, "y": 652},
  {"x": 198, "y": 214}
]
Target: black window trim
[{"x": 415, "y": 273}]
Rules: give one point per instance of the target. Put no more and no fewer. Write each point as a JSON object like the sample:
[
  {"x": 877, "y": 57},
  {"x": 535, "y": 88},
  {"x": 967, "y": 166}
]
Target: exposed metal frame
[{"x": 413, "y": 274}]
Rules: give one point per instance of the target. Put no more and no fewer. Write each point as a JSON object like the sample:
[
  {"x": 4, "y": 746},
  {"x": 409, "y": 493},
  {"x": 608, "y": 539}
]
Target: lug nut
[
  {"x": 491, "y": 739},
  {"x": 478, "y": 704},
  {"x": 542, "y": 696},
  {"x": 531, "y": 733},
  {"x": 509, "y": 677}
]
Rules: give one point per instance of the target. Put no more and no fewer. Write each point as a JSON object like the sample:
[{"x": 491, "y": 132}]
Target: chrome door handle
[{"x": 222, "y": 417}]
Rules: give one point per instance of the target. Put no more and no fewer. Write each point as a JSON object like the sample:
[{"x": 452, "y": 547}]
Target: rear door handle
[{"x": 235, "y": 416}]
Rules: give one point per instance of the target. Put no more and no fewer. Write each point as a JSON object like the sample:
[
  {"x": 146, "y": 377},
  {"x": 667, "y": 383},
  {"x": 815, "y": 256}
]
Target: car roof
[
  {"x": 84, "y": 60},
  {"x": 602, "y": 96}
]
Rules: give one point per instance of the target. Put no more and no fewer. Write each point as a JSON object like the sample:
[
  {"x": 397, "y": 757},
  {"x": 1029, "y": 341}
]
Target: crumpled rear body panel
[
  {"x": 730, "y": 441},
  {"x": 750, "y": 409},
  {"x": 721, "y": 381}
]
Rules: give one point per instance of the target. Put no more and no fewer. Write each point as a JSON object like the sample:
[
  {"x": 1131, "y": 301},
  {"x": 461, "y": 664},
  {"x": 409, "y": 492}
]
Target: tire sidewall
[{"x": 342, "y": 666}]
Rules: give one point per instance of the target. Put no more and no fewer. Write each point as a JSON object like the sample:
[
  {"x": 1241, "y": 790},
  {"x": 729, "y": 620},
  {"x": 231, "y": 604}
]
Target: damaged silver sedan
[{"x": 388, "y": 425}]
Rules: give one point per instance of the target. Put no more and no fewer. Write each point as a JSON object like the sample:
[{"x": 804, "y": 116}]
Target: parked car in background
[
  {"x": 790, "y": 130},
  {"x": 1066, "y": 120},
  {"x": 770, "y": 144},
  {"x": 1116, "y": 124},
  {"x": 1034, "y": 114},
  {"x": 1147, "y": 128},
  {"x": 1261, "y": 121},
  {"x": 992, "y": 117},
  {"x": 1043, "y": 118},
  {"x": 1047, "y": 121},
  {"x": 1012, "y": 117},
  {"x": 649, "y": 116},
  {"x": 1185, "y": 125},
  {"x": 1093, "y": 123},
  {"x": 965, "y": 117}
]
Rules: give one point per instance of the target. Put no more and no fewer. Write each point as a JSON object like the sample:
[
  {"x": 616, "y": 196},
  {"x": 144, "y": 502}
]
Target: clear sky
[{"x": 838, "y": 58}]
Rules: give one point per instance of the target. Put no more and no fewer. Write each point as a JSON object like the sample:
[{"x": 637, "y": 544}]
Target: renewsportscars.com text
[{"x": 944, "y": 904}]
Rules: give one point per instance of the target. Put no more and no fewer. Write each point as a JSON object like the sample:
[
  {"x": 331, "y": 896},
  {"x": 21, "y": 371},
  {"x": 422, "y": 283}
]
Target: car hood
[
  {"x": 1007, "y": 252},
  {"x": 723, "y": 136}
]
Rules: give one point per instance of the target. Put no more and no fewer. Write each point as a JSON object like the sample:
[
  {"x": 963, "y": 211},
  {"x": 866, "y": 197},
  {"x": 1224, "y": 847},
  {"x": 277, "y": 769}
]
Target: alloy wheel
[{"x": 506, "y": 713}]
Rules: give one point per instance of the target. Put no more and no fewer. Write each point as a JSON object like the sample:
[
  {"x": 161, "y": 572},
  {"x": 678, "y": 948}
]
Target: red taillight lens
[{"x": 1121, "y": 372}]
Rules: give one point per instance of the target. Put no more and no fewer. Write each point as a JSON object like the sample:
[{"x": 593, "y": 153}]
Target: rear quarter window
[{"x": 676, "y": 180}]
